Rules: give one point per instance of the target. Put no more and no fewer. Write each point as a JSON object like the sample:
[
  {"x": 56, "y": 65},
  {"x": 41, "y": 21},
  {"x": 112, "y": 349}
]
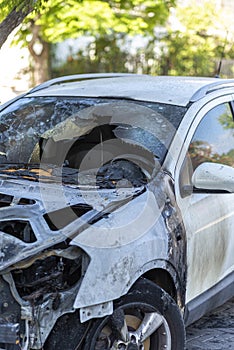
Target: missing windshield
[{"x": 93, "y": 136}]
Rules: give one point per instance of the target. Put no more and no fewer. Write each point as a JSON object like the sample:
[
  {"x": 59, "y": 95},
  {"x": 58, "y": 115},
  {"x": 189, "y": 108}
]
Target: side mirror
[{"x": 214, "y": 176}]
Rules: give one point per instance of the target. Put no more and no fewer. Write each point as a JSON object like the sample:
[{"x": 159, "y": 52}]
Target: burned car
[{"x": 116, "y": 211}]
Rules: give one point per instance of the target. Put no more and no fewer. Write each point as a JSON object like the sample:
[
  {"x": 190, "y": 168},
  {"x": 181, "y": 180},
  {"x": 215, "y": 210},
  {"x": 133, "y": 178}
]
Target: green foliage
[
  {"x": 191, "y": 44},
  {"x": 7, "y": 6},
  {"x": 60, "y": 19},
  {"x": 102, "y": 55},
  {"x": 226, "y": 121},
  {"x": 201, "y": 152},
  {"x": 197, "y": 42},
  {"x": 56, "y": 20}
]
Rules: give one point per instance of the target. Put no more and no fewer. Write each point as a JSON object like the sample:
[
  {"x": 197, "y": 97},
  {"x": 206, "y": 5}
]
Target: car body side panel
[
  {"x": 143, "y": 235},
  {"x": 210, "y": 241},
  {"x": 208, "y": 218}
]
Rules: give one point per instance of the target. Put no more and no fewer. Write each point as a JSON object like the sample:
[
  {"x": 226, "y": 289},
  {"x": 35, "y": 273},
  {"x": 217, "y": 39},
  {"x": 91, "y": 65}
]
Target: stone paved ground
[{"x": 214, "y": 331}]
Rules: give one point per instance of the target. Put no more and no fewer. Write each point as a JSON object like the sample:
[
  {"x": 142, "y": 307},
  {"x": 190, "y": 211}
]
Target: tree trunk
[
  {"x": 40, "y": 53},
  {"x": 40, "y": 65}
]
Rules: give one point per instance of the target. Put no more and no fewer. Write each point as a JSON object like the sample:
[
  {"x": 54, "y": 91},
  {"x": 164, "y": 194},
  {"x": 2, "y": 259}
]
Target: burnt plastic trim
[{"x": 209, "y": 300}]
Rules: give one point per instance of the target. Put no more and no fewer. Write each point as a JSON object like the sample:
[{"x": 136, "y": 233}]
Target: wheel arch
[
  {"x": 146, "y": 296},
  {"x": 163, "y": 279},
  {"x": 165, "y": 276}
]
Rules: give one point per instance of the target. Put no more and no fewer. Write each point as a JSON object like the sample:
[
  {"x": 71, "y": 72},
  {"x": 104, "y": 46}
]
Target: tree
[
  {"x": 13, "y": 13},
  {"x": 195, "y": 40},
  {"x": 58, "y": 20},
  {"x": 101, "y": 54},
  {"x": 192, "y": 42}
]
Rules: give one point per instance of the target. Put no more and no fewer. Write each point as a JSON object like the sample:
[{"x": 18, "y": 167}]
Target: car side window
[{"x": 213, "y": 140}]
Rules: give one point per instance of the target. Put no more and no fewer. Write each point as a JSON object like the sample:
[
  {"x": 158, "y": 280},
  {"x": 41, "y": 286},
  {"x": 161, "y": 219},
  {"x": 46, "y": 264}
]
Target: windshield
[{"x": 87, "y": 133}]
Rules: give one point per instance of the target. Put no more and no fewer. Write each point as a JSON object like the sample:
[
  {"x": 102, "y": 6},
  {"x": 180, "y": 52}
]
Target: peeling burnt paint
[{"x": 163, "y": 187}]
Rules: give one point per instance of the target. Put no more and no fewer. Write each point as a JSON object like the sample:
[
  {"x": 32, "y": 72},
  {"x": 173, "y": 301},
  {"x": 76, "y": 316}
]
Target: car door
[{"x": 208, "y": 215}]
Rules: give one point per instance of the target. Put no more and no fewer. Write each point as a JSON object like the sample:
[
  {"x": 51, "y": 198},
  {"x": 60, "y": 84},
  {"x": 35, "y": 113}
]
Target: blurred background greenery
[{"x": 158, "y": 37}]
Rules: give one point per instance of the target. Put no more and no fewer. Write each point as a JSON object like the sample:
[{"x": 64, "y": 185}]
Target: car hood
[{"x": 50, "y": 210}]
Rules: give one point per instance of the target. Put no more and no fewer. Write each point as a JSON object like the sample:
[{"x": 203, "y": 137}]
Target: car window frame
[
  {"x": 201, "y": 110},
  {"x": 208, "y": 134}
]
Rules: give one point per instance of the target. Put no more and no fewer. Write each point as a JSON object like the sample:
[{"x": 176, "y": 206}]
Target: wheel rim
[
  {"x": 142, "y": 330},
  {"x": 133, "y": 323}
]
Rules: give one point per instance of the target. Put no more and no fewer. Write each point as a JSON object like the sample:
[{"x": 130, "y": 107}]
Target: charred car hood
[{"x": 40, "y": 209}]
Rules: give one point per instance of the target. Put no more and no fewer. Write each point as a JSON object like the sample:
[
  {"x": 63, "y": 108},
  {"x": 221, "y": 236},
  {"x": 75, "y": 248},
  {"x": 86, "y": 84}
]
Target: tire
[{"x": 163, "y": 324}]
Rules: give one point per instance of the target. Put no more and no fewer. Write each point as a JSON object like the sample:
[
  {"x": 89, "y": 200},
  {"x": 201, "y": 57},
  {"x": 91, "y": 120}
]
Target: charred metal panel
[
  {"x": 163, "y": 188},
  {"x": 40, "y": 275},
  {"x": 131, "y": 241},
  {"x": 9, "y": 315},
  {"x": 48, "y": 198},
  {"x": 134, "y": 230},
  {"x": 10, "y": 308},
  {"x": 131, "y": 246}
]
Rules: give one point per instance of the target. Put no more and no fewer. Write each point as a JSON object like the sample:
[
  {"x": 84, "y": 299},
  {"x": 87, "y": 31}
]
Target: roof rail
[
  {"x": 77, "y": 77},
  {"x": 207, "y": 89}
]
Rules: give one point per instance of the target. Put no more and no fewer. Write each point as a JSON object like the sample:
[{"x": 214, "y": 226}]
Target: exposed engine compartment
[
  {"x": 52, "y": 274},
  {"x": 45, "y": 282}
]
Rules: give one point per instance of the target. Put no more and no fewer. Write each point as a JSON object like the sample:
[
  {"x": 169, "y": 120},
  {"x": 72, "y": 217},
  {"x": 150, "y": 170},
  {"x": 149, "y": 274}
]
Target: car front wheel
[{"x": 147, "y": 318}]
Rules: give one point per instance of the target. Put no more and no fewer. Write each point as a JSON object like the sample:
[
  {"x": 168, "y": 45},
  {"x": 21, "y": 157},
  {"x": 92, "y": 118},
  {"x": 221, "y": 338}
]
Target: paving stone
[{"x": 215, "y": 331}]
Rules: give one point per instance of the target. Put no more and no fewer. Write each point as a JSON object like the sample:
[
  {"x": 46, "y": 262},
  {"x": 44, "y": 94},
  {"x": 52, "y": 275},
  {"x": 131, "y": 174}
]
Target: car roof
[{"x": 163, "y": 89}]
